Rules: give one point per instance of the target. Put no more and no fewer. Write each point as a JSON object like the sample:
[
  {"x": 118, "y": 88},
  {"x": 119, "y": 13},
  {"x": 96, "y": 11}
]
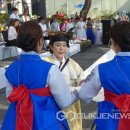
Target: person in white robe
[
  {"x": 72, "y": 73},
  {"x": 55, "y": 25},
  {"x": 81, "y": 30},
  {"x": 98, "y": 32},
  {"x": 69, "y": 25}
]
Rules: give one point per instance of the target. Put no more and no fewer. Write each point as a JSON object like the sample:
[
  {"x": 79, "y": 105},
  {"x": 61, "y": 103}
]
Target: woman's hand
[{"x": 83, "y": 80}]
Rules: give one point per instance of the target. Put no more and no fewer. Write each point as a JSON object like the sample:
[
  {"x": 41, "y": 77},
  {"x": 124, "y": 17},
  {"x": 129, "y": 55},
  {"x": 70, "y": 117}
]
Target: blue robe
[
  {"x": 89, "y": 32},
  {"x": 112, "y": 79},
  {"x": 31, "y": 71}
]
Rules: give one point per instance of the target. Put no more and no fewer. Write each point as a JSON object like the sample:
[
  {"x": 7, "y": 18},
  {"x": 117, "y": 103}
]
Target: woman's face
[
  {"x": 59, "y": 49},
  {"x": 16, "y": 24},
  {"x": 81, "y": 19}
]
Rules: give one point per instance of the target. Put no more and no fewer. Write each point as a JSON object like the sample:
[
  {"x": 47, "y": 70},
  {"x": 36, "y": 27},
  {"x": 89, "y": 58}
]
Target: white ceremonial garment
[
  {"x": 98, "y": 32},
  {"x": 44, "y": 28},
  {"x": 69, "y": 26},
  {"x": 80, "y": 29},
  {"x": 65, "y": 71},
  {"x": 12, "y": 33},
  {"x": 55, "y": 26},
  {"x": 60, "y": 90}
]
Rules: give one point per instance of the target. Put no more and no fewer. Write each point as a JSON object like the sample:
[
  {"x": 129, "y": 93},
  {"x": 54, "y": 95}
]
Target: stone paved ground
[{"x": 85, "y": 59}]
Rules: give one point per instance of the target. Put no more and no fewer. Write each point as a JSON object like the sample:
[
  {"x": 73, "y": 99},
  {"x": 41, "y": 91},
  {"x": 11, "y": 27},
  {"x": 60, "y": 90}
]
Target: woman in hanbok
[
  {"x": 89, "y": 31},
  {"x": 114, "y": 77},
  {"x": 69, "y": 25},
  {"x": 35, "y": 91},
  {"x": 81, "y": 30},
  {"x": 55, "y": 25},
  {"x": 45, "y": 30},
  {"x": 98, "y": 32},
  {"x": 72, "y": 73}
]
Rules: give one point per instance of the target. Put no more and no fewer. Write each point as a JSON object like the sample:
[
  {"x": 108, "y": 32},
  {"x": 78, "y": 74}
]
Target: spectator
[
  {"x": 69, "y": 25},
  {"x": 25, "y": 16},
  {"x": 13, "y": 32},
  {"x": 54, "y": 25},
  {"x": 14, "y": 14}
]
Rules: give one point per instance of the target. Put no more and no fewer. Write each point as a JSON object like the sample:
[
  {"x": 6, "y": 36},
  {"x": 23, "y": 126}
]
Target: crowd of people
[
  {"x": 38, "y": 89},
  {"x": 82, "y": 28}
]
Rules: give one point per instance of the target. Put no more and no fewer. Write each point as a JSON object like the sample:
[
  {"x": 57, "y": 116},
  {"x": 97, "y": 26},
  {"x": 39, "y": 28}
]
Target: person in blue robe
[
  {"x": 36, "y": 89},
  {"x": 89, "y": 31},
  {"x": 114, "y": 77}
]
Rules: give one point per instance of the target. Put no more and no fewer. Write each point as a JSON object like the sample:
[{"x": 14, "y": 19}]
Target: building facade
[
  {"x": 68, "y": 6},
  {"x": 49, "y": 7}
]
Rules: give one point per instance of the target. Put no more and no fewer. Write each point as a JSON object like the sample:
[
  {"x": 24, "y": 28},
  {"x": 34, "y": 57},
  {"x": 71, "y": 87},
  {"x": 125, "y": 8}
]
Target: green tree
[{"x": 85, "y": 9}]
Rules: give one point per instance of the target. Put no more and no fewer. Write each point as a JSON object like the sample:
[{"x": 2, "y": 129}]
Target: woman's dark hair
[
  {"x": 120, "y": 33},
  {"x": 12, "y": 23},
  {"x": 41, "y": 18},
  {"x": 52, "y": 20},
  {"x": 26, "y": 10},
  {"x": 57, "y": 38},
  {"x": 29, "y": 34},
  {"x": 14, "y": 9},
  {"x": 89, "y": 18}
]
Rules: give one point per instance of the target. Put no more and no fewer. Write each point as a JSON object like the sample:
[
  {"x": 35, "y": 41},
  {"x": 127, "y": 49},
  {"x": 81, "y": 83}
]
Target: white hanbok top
[
  {"x": 69, "y": 26},
  {"x": 60, "y": 91},
  {"x": 44, "y": 28},
  {"x": 80, "y": 29},
  {"x": 14, "y": 16},
  {"x": 65, "y": 71},
  {"x": 12, "y": 33},
  {"x": 55, "y": 26},
  {"x": 98, "y": 33},
  {"x": 98, "y": 26}
]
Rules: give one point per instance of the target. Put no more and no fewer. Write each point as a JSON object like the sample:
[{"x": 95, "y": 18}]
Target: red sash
[
  {"x": 24, "y": 108},
  {"x": 122, "y": 102}
]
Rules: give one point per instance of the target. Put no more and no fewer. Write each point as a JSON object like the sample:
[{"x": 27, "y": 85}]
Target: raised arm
[
  {"x": 91, "y": 86},
  {"x": 59, "y": 88}
]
